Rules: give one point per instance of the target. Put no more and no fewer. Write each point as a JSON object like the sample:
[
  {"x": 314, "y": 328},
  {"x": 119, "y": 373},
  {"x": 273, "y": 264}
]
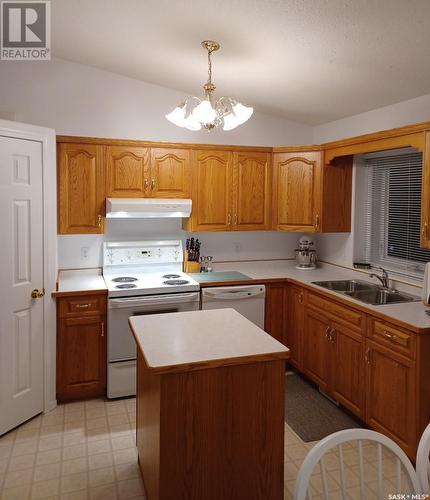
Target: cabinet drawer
[
  {"x": 393, "y": 337},
  {"x": 82, "y": 305},
  {"x": 342, "y": 312}
]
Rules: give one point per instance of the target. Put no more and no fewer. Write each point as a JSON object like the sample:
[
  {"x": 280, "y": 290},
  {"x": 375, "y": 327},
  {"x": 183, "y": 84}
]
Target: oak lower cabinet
[
  {"x": 317, "y": 354},
  {"x": 81, "y": 347},
  {"x": 309, "y": 196},
  {"x": 294, "y": 325},
  {"x": 391, "y": 396},
  {"x": 81, "y": 188},
  {"x": 275, "y": 314}
]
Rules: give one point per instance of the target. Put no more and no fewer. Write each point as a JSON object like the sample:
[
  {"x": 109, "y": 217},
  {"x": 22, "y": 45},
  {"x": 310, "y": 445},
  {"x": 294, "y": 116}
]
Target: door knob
[{"x": 37, "y": 294}]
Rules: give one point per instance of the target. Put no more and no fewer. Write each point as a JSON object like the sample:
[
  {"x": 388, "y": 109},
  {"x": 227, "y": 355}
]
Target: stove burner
[
  {"x": 127, "y": 285},
  {"x": 175, "y": 282},
  {"x": 124, "y": 279},
  {"x": 171, "y": 276}
]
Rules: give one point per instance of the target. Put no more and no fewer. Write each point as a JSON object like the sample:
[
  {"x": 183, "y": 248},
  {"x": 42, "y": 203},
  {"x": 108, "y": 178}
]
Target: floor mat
[{"x": 312, "y": 415}]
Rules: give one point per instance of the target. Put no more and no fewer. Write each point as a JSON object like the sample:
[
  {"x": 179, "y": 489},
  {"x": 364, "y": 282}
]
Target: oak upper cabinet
[
  {"x": 212, "y": 181},
  {"x": 297, "y": 186},
  {"x": 310, "y": 196},
  {"x": 170, "y": 173},
  {"x": 251, "y": 191},
  {"x": 391, "y": 400},
  {"x": 425, "y": 196},
  {"x": 294, "y": 326},
  {"x": 127, "y": 172},
  {"x": 81, "y": 347},
  {"x": 81, "y": 189}
]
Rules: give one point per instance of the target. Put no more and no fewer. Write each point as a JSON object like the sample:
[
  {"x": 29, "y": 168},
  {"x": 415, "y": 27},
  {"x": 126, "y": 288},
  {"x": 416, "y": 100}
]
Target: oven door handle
[{"x": 177, "y": 298}]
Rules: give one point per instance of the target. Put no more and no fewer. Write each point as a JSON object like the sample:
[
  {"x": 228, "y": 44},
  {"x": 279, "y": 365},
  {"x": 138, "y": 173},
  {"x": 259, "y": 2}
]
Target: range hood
[{"x": 146, "y": 208}]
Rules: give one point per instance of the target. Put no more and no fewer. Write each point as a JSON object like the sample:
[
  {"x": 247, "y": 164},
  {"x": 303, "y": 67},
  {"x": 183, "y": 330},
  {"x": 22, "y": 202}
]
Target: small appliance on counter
[{"x": 306, "y": 256}]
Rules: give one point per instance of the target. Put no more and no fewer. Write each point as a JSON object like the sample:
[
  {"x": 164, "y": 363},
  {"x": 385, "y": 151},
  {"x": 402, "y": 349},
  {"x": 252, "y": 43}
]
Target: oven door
[{"x": 121, "y": 344}]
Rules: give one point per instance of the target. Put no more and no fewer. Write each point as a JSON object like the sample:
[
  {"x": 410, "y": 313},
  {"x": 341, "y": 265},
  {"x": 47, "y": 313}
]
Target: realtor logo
[{"x": 25, "y": 31}]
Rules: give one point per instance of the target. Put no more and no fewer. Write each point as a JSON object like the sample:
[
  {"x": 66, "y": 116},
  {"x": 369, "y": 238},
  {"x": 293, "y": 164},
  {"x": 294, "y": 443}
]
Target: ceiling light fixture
[{"x": 195, "y": 113}]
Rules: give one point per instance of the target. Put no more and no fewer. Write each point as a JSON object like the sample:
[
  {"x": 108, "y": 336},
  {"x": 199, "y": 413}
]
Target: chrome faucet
[{"x": 383, "y": 278}]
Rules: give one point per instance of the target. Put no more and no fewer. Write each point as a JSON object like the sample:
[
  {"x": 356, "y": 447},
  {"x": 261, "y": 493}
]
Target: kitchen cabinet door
[
  {"x": 425, "y": 196},
  {"x": 276, "y": 311},
  {"x": 347, "y": 378},
  {"x": 251, "y": 181},
  {"x": 170, "y": 173},
  {"x": 127, "y": 172},
  {"x": 317, "y": 349},
  {"x": 81, "y": 357},
  {"x": 211, "y": 191},
  {"x": 294, "y": 326},
  {"x": 81, "y": 193},
  {"x": 298, "y": 185},
  {"x": 391, "y": 404}
]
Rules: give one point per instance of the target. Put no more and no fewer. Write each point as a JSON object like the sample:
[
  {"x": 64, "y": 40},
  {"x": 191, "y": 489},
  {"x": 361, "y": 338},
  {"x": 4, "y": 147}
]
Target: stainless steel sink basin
[
  {"x": 344, "y": 286},
  {"x": 367, "y": 292}
]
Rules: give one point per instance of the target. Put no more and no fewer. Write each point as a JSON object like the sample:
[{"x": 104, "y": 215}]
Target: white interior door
[{"x": 21, "y": 270}]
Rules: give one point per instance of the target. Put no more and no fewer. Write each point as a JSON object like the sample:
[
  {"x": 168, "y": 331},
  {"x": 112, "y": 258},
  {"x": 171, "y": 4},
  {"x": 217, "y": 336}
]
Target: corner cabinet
[
  {"x": 230, "y": 191},
  {"x": 310, "y": 196},
  {"x": 81, "y": 186},
  {"x": 81, "y": 347}
]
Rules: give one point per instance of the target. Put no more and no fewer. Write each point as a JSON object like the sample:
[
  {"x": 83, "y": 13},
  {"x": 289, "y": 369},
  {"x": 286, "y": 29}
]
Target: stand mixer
[{"x": 306, "y": 256}]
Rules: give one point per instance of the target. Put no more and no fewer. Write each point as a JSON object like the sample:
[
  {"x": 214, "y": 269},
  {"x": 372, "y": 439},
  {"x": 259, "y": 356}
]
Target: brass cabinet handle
[
  {"x": 37, "y": 294},
  {"x": 332, "y": 335},
  {"x": 145, "y": 184},
  {"x": 424, "y": 231},
  {"x": 327, "y": 333},
  {"x": 152, "y": 184},
  {"x": 103, "y": 329},
  {"x": 367, "y": 356},
  {"x": 228, "y": 219},
  {"x": 235, "y": 219},
  {"x": 99, "y": 220},
  {"x": 83, "y": 306},
  {"x": 317, "y": 221},
  {"x": 301, "y": 297}
]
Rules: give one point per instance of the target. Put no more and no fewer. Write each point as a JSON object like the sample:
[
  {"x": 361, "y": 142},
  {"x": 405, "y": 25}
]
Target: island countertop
[{"x": 192, "y": 340}]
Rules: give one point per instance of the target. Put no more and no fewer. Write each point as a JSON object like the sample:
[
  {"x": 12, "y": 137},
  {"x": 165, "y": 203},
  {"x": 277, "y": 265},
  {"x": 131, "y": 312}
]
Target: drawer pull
[
  {"x": 103, "y": 329},
  {"x": 83, "y": 306},
  {"x": 367, "y": 356},
  {"x": 395, "y": 338},
  {"x": 327, "y": 333},
  {"x": 332, "y": 336},
  {"x": 301, "y": 298}
]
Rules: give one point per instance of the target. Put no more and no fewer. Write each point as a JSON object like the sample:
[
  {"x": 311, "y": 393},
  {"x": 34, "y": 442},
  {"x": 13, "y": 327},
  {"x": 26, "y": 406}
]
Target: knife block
[{"x": 190, "y": 266}]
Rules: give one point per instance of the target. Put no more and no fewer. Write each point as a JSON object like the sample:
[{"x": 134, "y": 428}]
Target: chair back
[{"x": 355, "y": 463}]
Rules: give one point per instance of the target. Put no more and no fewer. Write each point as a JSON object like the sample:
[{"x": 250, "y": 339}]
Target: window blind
[{"x": 393, "y": 210}]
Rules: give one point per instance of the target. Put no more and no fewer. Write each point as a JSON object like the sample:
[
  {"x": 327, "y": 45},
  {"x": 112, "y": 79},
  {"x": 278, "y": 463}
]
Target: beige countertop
[
  {"x": 80, "y": 281},
  {"x": 412, "y": 313},
  {"x": 202, "y": 339}
]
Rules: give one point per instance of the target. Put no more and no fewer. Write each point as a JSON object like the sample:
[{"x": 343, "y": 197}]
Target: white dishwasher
[{"x": 248, "y": 300}]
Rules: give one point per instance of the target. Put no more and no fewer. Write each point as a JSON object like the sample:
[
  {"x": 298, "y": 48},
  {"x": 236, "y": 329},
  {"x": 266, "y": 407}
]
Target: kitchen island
[{"x": 210, "y": 407}]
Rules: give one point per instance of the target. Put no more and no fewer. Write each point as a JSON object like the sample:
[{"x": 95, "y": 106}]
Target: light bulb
[
  {"x": 243, "y": 113},
  {"x": 177, "y": 116},
  {"x": 204, "y": 112}
]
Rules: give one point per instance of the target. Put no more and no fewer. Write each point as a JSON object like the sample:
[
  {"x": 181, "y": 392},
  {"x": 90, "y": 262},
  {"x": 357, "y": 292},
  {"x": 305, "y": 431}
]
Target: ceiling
[{"x": 311, "y": 61}]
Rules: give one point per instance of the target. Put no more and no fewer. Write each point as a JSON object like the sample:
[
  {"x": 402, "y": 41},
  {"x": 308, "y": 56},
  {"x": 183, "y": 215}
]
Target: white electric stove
[{"x": 142, "y": 277}]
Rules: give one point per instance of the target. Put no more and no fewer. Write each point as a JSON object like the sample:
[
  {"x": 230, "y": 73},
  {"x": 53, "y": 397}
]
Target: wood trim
[
  {"x": 58, "y": 293},
  {"x": 297, "y": 149},
  {"x": 71, "y": 139},
  {"x": 375, "y": 144},
  {"x": 382, "y": 134}
]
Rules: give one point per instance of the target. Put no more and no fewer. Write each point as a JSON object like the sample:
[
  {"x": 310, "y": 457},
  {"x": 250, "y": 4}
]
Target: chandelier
[{"x": 209, "y": 113}]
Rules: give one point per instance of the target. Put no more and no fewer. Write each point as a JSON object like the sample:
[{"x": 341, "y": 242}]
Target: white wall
[
  {"x": 397, "y": 115},
  {"x": 77, "y": 251},
  {"x": 81, "y": 100}
]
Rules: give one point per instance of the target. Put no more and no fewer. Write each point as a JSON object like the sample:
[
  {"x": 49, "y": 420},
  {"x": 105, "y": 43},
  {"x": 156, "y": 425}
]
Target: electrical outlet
[{"x": 84, "y": 252}]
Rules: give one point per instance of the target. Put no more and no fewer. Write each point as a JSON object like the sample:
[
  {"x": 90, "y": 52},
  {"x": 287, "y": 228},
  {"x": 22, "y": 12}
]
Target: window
[{"x": 392, "y": 212}]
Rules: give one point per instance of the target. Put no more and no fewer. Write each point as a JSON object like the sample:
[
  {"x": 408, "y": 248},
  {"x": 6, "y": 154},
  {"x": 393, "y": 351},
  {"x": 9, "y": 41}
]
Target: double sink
[{"x": 368, "y": 293}]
